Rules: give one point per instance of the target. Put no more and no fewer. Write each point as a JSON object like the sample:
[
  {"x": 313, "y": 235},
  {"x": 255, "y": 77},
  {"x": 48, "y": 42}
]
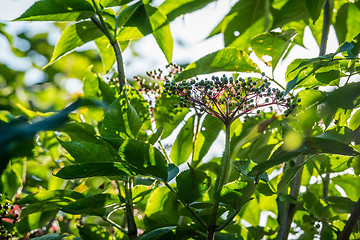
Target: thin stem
[
  {"x": 351, "y": 222},
  {"x": 224, "y": 224},
  {"x": 164, "y": 152},
  {"x": 326, "y": 27},
  {"x": 100, "y": 23},
  {"x": 290, "y": 210},
  {"x": 196, "y": 131},
  {"x": 107, "y": 219},
  {"x": 188, "y": 207},
  {"x": 220, "y": 181},
  {"x": 132, "y": 229}
]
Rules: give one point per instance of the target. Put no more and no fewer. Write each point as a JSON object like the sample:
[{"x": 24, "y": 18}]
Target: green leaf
[
  {"x": 145, "y": 158},
  {"x": 293, "y": 10},
  {"x": 210, "y": 129},
  {"x": 161, "y": 208},
  {"x": 314, "y": 8},
  {"x": 165, "y": 113},
  {"x": 74, "y": 36},
  {"x": 273, "y": 44},
  {"x": 311, "y": 145},
  {"x": 243, "y": 166},
  {"x": 94, "y": 169},
  {"x": 79, "y": 131},
  {"x": 94, "y": 232},
  {"x": 237, "y": 193},
  {"x": 173, "y": 171},
  {"x": 139, "y": 191},
  {"x": 93, "y": 205},
  {"x": 135, "y": 21},
  {"x": 243, "y": 41},
  {"x": 157, "y": 233},
  {"x": 100, "y": 151},
  {"x": 182, "y": 147},
  {"x": 58, "y": 10},
  {"x": 107, "y": 92},
  {"x": 161, "y": 33},
  {"x": 48, "y": 201},
  {"x": 121, "y": 120},
  {"x": 243, "y": 15},
  {"x": 265, "y": 189},
  {"x": 91, "y": 85},
  {"x": 174, "y": 8},
  {"x": 347, "y": 24},
  {"x": 106, "y": 52},
  {"x": 341, "y": 204},
  {"x": 287, "y": 177},
  {"x": 227, "y": 59},
  {"x": 53, "y": 236},
  {"x": 157, "y": 135},
  {"x": 355, "y": 120},
  {"x": 54, "y": 195},
  {"x": 192, "y": 184}
]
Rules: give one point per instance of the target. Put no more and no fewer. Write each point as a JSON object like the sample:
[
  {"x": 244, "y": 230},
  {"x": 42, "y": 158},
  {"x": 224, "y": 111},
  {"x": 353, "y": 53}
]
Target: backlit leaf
[
  {"x": 73, "y": 37},
  {"x": 94, "y": 232},
  {"x": 227, "y": 59},
  {"x": 273, "y": 44},
  {"x": 58, "y": 10},
  {"x": 182, "y": 147}
]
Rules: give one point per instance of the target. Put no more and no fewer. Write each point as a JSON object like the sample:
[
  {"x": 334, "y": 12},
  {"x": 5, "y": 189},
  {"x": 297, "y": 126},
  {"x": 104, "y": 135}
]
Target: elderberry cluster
[
  {"x": 228, "y": 98},
  {"x": 151, "y": 83},
  {"x": 8, "y": 216}
]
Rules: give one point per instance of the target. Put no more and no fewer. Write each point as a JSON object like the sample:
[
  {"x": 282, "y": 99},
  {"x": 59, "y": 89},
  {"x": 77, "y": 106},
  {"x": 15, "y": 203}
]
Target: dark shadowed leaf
[
  {"x": 173, "y": 171},
  {"x": 287, "y": 177},
  {"x": 99, "y": 151},
  {"x": 192, "y": 184},
  {"x": 94, "y": 205},
  {"x": 93, "y": 169},
  {"x": 227, "y": 59},
  {"x": 145, "y": 158},
  {"x": 121, "y": 120},
  {"x": 53, "y": 236},
  {"x": 157, "y": 135},
  {"x": 157, "y": 233},
  {"x": 237, "y": 193},
  {"x": 58, "y": 10}
]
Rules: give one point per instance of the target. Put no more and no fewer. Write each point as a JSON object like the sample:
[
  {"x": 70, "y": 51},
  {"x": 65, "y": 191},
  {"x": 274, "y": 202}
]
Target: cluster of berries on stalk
[
  {"x": 151, "y": 83},
  {"x": 8, "y": 215},
  {"x": 228, "y": 98}
]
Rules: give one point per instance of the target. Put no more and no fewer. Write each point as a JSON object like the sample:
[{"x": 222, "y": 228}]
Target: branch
[
  {"x": 290, "y": 210},
  {"x": 326, "y": 27},
  {"x": 100, "y": 23},
  {"x": 355, "y": 214}
]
